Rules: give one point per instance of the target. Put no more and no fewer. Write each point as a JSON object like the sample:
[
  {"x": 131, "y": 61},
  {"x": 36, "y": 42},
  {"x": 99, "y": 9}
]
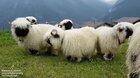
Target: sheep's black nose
[{"x": 21, "y": 32}]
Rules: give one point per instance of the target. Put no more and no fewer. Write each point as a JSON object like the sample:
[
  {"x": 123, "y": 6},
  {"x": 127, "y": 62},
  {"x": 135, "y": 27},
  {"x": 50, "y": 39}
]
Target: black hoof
[
  {"x": 134, "y": 75},
  {"x": 33, "y": 51},
  {"x": 90, "y": 60},
  {"x": 54, "y": 55},
  {"x": 134, "y": 58},
  {"x": 69, "y": 58},
  {"x": 74, "y": 59},
  {"x": 109, "y": 56},
  {"x": 98, "y": 53}
]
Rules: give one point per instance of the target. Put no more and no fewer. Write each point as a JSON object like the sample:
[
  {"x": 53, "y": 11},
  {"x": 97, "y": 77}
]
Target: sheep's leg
[
  {"x": 133, "y": 75},
  {"x": 108, "y": 56},
  {"x": 73, "y": 59},
  {"x": 33, "y": 51},
  {"x": 69, "y": 58},
  {"x": 79, "y": 59},
  {"x": 76, "y": 59},
  {"x": 89, "y": 57},
  {"x": 99, "y": 50},
  {"x": 134, "y": 70},
  {"x": 55, "y": 52}
]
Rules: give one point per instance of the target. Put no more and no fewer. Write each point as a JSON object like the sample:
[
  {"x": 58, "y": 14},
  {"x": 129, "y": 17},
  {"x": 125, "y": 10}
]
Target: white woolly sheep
[
  {"x": 129, "y": 28},
  {"x": 65, "y": 24},
  {"x": 109, "y": 39},
  {"x": 30, "y": 36},
  {"x": 75, "y": 44},
  {"x": 31, "y": 19},
  {"x": 133, "y": 55},
  {"x": 136, "y": 25}
]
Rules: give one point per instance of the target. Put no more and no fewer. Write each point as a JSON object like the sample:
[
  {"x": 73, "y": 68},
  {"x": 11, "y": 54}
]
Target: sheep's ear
[
  {"x": 28, "y": 19},
  {"x": 34, "y": 21},
  {"x": 54, "y": 33},
  {"x": 68, "y": 25},
  {"x": 120, "y": 29}
]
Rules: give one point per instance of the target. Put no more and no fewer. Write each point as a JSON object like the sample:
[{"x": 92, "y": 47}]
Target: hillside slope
[
  {"x": 124, "y": 8},
  {"x": 52, "y": 10}
]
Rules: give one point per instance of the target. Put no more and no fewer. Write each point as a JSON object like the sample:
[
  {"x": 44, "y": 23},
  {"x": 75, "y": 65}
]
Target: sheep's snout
[{"x": 21, "y": 32}]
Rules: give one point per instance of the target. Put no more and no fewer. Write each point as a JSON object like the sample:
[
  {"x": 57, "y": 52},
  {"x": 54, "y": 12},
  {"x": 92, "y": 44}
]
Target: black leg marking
[
  {"x": 109, "y": 56},
  {"x": 74, "y": 59},
  {"x": 33, "y": 51},
  {"x": 133, "y": 75},
  {"x": 69, "y": 58},
  {"x": 133, "y": 58}
]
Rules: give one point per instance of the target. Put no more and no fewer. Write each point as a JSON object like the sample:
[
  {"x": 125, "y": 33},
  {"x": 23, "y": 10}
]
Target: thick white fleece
[
  {"x": 109, "y": 39},
  {"x": 76, "y": 42},
  {"x": 133, "y": 53},
  {"x": 34, "y": 39}
]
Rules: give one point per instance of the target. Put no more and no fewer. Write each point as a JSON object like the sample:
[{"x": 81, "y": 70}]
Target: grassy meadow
[{"x": 13, "y": 57}]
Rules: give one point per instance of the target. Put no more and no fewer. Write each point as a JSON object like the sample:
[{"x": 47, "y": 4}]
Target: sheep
[
  {"x": 65, "y": 24},
  {"x": 75, "y": 44},
  {"x": 109, "y": 39},
  {"x": 128, "y": 26},
  {"x": 129, "y": 29},
  {"x": 30, "y": 36},
  {"x": 136, "y": 25},
  {"x": 133, "y": 55},
  {"x": 31, "y": 19}
]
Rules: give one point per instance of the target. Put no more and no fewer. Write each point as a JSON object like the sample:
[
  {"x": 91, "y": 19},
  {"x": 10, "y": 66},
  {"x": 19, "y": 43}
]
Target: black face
[
  {"x": 33, "y": 21},
  {"x": 68, "y": 25},
  {"x": 129, "y": 32},
  {"x": 21, "y": 32}
]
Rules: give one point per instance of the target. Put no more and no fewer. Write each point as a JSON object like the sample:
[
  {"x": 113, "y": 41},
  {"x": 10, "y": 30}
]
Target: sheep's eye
[
  {"x": 60, "y": 26},
  {"x": 56, "y": 36},
  {"x": 120, "y": 29}
]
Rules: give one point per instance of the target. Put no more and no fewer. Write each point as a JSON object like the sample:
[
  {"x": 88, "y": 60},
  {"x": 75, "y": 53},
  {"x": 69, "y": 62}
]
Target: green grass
[{"x": 44, "y": 66}]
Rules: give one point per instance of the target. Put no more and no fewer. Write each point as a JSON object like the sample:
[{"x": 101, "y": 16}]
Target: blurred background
[{"x": 80, "y": 11}]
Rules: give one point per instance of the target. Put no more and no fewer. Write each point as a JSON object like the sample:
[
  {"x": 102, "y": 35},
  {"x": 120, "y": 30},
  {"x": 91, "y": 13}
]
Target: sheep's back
[{"x": 77, "y": 41}]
